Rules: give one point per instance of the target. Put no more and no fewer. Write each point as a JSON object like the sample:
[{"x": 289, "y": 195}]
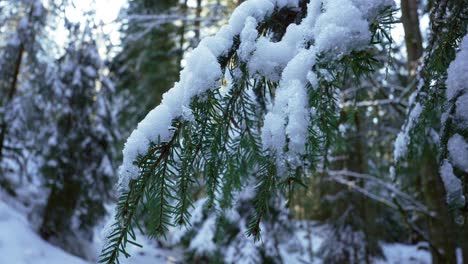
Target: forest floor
[{"x": 19, "y": 244}]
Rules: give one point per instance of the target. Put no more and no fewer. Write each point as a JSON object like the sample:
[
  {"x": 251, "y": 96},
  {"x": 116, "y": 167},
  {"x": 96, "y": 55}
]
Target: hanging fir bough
[
  {"x": 449, "y": 25},
  {"x": 258, "y": 98},
  {"x": 441, "y": 93},
  {"x": 454, "y": 137}
]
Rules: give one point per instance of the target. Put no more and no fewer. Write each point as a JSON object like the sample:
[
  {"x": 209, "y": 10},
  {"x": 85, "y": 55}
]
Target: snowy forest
[{"x": 233, "y": 131}]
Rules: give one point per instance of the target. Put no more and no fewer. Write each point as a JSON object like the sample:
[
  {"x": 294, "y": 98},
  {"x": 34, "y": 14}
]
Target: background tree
[
  {"x": 79, "y": 152},
  {"x": 21, "y": 70}
]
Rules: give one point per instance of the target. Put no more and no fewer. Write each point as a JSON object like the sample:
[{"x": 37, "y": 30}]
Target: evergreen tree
[
  {"x": 149, "y": 60},
  {"x": 156, "y": 36},
  {"x": 79, "y": 152},
  {"x": 429, "y": 128},
  {"x": 22, "y": 70}
]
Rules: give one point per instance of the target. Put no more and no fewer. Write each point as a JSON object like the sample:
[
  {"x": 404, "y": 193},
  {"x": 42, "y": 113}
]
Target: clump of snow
[
  {"x": 403, "y": 139},
  {"x": 341, "y": 28},
  {"x": 458, "y": 152},
  {"x": 457, "y": 78},
  {"x": 247, "y": 37},
  {"x": 258, "y": 9},
  {"x": 287, "y": 3},
  {"x": 298, "y": 118},
  {"x": 453, "y": 185},
  {"x": 312, "y": 78},
  {"x": 299, "y": 66},
  {"x": 219, "y": 44},
  {"x": 290, "y": 114},
  {"x": 271, "y": 64},
  {"x": 268, "y": 63},
  {"x": 461, "y": 107},
  {"x": 273, "y": 133},
  {"x": 457, "y": 84}
]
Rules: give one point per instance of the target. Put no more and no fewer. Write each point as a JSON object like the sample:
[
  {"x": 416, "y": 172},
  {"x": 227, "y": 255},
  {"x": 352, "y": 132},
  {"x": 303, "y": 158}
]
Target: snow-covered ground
[
  {"x": 400, "y": 253},
  {"x": 394, "y": 253},
  {"x": 19, "y": 244}
]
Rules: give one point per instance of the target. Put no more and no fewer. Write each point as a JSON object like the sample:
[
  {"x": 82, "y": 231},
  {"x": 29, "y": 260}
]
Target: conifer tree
[
  {"x": 24, "y": 21},
  {"x": 143, "y": 69},
  {"x": 434, "y": 124},
  {"x": 79, "y": 153},
  {"x": 241, "y": 110}
]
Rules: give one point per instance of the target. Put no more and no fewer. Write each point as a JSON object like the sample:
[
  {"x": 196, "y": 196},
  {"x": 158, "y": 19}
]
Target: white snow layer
[
  {"x": 457, "y": 78},
  {"x": 461, "y": 113},
  {"x": 270, "y": 58},
  {"x": 458, "y": 152},
  {"x": 452, "y": 184},
  {"x": 19, "y": 243},
  {"x": 340, "y": 28},
  {"x": 457, "y": 84},
  {"x": 403, "y": 139},
  {"x": 289, "y": 115},
  {"x": 248, "y": 36}
]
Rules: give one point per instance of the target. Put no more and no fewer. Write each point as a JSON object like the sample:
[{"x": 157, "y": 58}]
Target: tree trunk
[
  {"x": 197, "y": 23},
  {"x": 441, "y": 228},
  {"x": 413, "y": 39},
  {"x": 58, "y": 217},
  {"x": 182, "y": 35},
  {"x": 12, "y": 87}
]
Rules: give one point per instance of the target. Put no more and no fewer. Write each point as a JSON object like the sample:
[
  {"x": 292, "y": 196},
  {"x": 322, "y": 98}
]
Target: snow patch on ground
[
  {"x": 19, "y": 244},
  {"x": 401, "y": 253}
]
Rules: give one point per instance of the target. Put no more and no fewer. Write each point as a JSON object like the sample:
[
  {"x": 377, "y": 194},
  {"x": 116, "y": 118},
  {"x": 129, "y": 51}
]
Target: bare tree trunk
[
  {"x": 413, "y": 39},
  {"x": 197, "y": 23},
  {"x": 12, "y": 88},
  {"x": 441, "y": 227},
  {"x": 182, "y": 34}
]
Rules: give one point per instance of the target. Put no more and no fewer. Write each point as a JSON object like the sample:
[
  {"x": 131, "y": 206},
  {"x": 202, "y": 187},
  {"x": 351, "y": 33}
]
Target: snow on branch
[
  {"x": 455, "y": 146},
  {"x": 202, "y": 73},
  {"x": 330, "y": 30}
]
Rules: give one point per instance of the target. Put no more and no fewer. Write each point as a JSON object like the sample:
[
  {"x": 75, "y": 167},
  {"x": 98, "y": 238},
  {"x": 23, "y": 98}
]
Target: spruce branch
[{"x": 128, "y": 206}]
